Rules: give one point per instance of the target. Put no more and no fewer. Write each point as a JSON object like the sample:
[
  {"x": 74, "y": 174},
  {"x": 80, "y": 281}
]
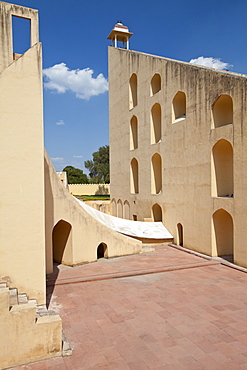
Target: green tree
[
  {"x": 75, "y": 175},
  {"x": 99, "y": 169}
]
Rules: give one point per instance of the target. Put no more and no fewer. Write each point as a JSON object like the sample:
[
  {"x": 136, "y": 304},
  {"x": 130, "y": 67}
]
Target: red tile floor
[{"x": 166, "y": 309}]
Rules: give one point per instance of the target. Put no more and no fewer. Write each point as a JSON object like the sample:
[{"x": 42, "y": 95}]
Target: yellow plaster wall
[
  {"x": 185, "y": 146},
  {"x": 86, "y": 233},
  {"x": 22, "y": 243}
]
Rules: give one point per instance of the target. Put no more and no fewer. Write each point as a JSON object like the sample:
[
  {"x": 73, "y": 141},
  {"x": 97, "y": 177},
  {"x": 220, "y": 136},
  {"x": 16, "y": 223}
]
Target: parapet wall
[
  {"x": 89, "y": 189},
  {"x": 72, "y": 235}
]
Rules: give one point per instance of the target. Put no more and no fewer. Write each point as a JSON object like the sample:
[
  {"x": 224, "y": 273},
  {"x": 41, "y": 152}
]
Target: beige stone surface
[
  {"x": 72, "y": 235},
  {"x": 22, "y": 214},
  {"x": 22, "y": 242},
  {"x": 184, "y": 157},
  {"x": 24, "y": 338}
]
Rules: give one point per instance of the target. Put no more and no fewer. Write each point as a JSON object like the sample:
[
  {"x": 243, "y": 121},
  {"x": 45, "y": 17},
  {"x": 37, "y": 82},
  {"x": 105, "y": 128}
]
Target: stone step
[
  {"x": 13, "y": 296},
  {"x": 66, "y": 347},
  {"x": 42, "y": 311},
  {"x": 3, "y": 285},
  {"x": 22, "y": 298}
]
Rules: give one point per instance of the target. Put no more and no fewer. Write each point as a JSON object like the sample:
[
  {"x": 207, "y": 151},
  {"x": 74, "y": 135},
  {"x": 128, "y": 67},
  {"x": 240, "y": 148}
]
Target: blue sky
[{"x": 74, "y": 35}]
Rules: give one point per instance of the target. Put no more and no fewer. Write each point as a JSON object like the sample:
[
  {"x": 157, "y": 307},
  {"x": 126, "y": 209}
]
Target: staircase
[{"x": 29, "y": 332}]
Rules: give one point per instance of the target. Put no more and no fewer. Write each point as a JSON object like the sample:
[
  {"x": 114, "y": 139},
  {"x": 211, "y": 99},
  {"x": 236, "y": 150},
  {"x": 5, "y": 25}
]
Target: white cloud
[
  {"x": 80, "y": 81},
  {"x": 211, "y": 62},
  {"x": 60, "y": 123},
  {"x": 57, "y": 159},
  {"x": 77, "y": 156}
]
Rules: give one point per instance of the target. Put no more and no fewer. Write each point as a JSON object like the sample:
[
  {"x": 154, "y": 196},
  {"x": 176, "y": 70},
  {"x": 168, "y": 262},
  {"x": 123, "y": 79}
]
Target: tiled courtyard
[{"x": 165, "y": 309}]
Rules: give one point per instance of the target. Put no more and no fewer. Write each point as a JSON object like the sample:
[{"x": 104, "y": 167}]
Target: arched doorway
[
  {"x": 157, "y": 213},
  {"x": 222, "y": 110},
  {"x": 155, "y": 120},
  {"x": 113, "y": 207},
  {"x": 61, "y": 241},
  {"x": 102, "y": 251},
  {"x": 133, "y": 91},
  {"x": 179, "y": 106},
  {"x": 133, "y": 133},
  {"x": 222, "y": 237},
  {"x": 180, "y": 234},
  {"x": 222, "y": 167},
  {"x": 119, "y": 208},
  {"x": 155, "y": 84},
  {"x": 156, "y": 174},
  {"x": 134, "y": 180},
  {"x": 126, "y": 210}
]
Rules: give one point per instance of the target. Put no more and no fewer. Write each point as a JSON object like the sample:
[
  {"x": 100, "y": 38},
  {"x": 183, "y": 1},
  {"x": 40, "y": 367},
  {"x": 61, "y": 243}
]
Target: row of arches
[
  {"x": 222, "y": 233},
  {"x": 156, "y": 175},
  {"x": 222, "y": 107},
  {"x": 222, "y": 171},
  {"x": 155, "y": 87},
  {"x": 156, "y": 122},
  {"x": 122, "y": 210}
]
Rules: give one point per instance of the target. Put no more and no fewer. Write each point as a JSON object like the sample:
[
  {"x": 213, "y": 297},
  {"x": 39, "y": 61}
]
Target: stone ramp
[{"x": 137, "y": 229}]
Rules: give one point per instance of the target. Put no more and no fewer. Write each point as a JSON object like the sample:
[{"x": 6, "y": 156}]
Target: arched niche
[
  {"x": 179, "y": 106},
  {"x": 126, "y": 210},
  {"x": 155, "y": 85},
  {"x": 133, "y": 91},
  {"x": 119, "y": 208},
  {"x": 222, "y": 110},
  {"x": 133, "y": 133},
  {"x": 134, "y": 176},
  {"x": 157, "y": 212},
  {"x": 222, "y": 169},
  {"x": 113, "y": 207},
  {"x": 222, "y": 237},
  {"x": 155, "y": 123},
  {"x": 61, "y": 241},
  {"x": 102, "y": 251},
  {"x": 156, "y": 174},
  {"x": 180, "y": 234}
]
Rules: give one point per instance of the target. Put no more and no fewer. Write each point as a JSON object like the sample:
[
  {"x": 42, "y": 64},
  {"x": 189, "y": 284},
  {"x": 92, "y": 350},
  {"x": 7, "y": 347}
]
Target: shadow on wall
[
  {"x": 61, "y": 239},
  {"x": 102, "y": 190}
]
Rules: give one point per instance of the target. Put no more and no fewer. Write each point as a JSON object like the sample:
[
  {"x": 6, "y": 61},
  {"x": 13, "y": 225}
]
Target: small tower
[{"x": 120, "y": 33}]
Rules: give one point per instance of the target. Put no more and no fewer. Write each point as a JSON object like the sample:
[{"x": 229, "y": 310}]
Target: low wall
[
  {"x": 89, "y": 189},
  {"x": 101, "y": 205}
]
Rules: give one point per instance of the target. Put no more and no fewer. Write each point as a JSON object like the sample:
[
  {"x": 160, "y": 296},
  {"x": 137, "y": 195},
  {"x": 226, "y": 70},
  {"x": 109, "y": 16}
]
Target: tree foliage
[
  {"x": 75, "y": 175},
  {"x": 99, "y": 169}
]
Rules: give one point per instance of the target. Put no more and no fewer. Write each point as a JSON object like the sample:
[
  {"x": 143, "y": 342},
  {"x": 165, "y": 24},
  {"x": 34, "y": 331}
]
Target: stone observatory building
[{"x": 178, "y": 139}]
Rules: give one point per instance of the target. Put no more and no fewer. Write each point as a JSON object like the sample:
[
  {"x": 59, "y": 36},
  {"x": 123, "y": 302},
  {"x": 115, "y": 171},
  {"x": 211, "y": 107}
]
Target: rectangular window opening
[{"x": 21, "y": 28}]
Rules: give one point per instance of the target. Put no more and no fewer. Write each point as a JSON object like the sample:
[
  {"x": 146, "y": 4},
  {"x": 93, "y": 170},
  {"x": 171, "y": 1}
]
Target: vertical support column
[
  {"x": 6, "y": 55},
  {"x": 34, "y": 34}
]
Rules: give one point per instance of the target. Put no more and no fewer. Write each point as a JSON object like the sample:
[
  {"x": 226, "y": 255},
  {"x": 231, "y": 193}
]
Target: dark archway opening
[
  {"x": 180, "y": 234},
  {"x": 102, "y": 251}
]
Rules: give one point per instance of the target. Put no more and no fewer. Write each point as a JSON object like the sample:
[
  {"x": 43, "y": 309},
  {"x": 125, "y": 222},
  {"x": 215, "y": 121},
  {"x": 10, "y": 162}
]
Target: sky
[{"x": 74, "y": 38}]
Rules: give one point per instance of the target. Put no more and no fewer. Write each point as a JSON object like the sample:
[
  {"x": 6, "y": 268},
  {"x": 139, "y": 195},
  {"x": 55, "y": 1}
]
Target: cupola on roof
[{"x": 120, "y": 33}]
